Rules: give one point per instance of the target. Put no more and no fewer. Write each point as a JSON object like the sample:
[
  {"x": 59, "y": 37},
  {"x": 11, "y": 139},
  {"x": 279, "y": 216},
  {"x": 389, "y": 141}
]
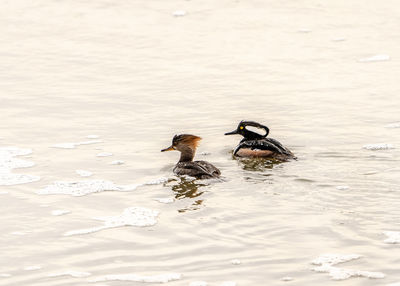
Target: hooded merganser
[
  {"x": 257, "y": 145},
  {"x": 187, "y": 144}
]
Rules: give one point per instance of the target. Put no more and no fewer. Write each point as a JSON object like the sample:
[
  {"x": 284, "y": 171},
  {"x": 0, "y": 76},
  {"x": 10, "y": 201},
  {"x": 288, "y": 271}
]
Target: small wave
[
  {"x": 378, "y": 146},
  {"x": 393, "y": 125},
  {"x": 84, "y": 173},
  {"x": 117, "y": 162},
  {"x": 304, "y": 30},
  {"x": 342, "y": 187},
  {"x": 33, "y": 267},
  {"x": 236, "y": 262},
  {"x": 104, "y": 154},
  {"x": 20, "y": 232},
  {"x": 134, "y": 216},
  {"x": 93, "y": 136},
  {"x": 74, "y": 145},
  {"x": 326, "y": 264},
  {"x": 287, "y": 278},
  {"x": 393, "y": 237},
  {"x": 376, "y": 58},
  {"x": 179, "y": 13},
  {"x": 5, "y": 275},
  {"x": 75, "y": 274},
  {"x": 8, "y": 163},
  {"x": 161, "y": 278},
  {"x": 59, "y": 212}
]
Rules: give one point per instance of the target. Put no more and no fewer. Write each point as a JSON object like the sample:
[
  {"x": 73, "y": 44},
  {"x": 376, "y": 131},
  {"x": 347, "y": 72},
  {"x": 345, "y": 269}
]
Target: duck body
[
  {"x": 187, "y": 144},
  {"x": 266, "y": 147},
  {"x": 258, "y": 145}
]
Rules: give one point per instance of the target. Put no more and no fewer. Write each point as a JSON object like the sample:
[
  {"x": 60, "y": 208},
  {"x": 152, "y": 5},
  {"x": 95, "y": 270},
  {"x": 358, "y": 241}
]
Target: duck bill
[
  {"x": 231, "y": 133},
  {"x": 170, "y": 148}
]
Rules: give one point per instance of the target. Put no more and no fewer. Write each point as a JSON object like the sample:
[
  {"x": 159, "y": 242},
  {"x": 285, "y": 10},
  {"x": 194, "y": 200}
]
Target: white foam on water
[
  {"x": 82, "y": 188},
  {"x": 287, "y": 278},
  {"x": 378, "y": 146},
  {"x": 165, "y": 200},
  {"x": 393, "y": 284},
  {"x": 72, "y": 273},
  {"x": 3, "y": 192},
  {"x": 198, "y": 283},
  {"x": 376, "y": 58},
  {"x": 83, "y": 173},
  {"x": 79, "y": 188},
  {"x": 104, "y": 154},
  {"x": 160, "y": 278},
  {"x": 236, "y": 261},
  {"x": 205, "y": 153},
  {"x": 157, "y": 181},
  {"x": 117, "y": 162},
  {"x": 339, "y": 39},
  {"x": 342, "y": 187},
  {"x": 74, "y": 145},
  {"x": 33, "y": 267},
  {"x": 179, "y": 13},
  {"x": 8, "y": 162},
  {"x": 92, "y": 136},
  {"x": 133, "y": 216},
  {"x": 393, "y": 237},
  {"x": 59, "y": 212},
  {"x": 4, "y": 275},
  {"x": 228, "y": 283},
  {"x": 393, "y": 125},
  {"x": 326, "y": 264}
]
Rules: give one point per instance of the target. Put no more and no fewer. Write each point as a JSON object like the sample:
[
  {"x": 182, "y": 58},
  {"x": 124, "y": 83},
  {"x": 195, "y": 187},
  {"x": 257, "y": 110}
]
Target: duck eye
[{"x": 241, "y": 127}]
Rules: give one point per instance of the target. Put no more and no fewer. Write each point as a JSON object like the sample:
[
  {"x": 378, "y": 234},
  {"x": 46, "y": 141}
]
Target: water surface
[{"x": 323, "y": 76}]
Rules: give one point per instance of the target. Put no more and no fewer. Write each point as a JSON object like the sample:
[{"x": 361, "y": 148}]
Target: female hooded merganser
[
  {"x": 187, "y": 144},
  {"x": 257, "y": 145}
]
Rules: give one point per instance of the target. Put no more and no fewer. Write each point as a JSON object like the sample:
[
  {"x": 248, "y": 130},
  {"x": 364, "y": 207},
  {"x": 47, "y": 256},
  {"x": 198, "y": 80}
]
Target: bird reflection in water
[
  {"x": 187, "y": 188},
  {"x": 257, "y": 164}
]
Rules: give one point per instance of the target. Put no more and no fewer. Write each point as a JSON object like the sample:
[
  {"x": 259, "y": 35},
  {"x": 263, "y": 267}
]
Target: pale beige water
[{"x": 132, "y": 73}]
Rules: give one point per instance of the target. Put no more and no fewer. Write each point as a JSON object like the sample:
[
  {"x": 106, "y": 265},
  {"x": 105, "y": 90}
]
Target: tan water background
[{"x": 323, "y": 75}]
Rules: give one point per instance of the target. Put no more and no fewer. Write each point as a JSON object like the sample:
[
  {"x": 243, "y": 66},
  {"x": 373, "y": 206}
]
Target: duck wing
[
  {"x": 198, "y": 169},
  {"x": 211, "y": 169}
]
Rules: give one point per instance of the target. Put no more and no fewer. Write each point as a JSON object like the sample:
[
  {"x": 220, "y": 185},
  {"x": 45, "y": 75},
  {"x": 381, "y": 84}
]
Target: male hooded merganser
[
  {"x": 257, "y": 145},
  {"x": 187, "y": 144}
]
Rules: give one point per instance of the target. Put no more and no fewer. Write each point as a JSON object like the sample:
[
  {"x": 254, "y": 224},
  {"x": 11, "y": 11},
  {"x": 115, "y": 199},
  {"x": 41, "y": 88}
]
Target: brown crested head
[
  {"x": 183, "y": 141},
  {"x": 186, "y": 139}
]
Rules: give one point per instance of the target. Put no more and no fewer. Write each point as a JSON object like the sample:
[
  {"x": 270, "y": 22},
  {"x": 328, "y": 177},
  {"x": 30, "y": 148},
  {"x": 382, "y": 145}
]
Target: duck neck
[{"x": 187, "y": 154}]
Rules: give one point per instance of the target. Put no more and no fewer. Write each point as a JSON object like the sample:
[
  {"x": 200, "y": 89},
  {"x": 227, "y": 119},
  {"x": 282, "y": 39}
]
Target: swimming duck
[
  {"x": 258, "y": 145},
  {"x": 187, "y": 144}
]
